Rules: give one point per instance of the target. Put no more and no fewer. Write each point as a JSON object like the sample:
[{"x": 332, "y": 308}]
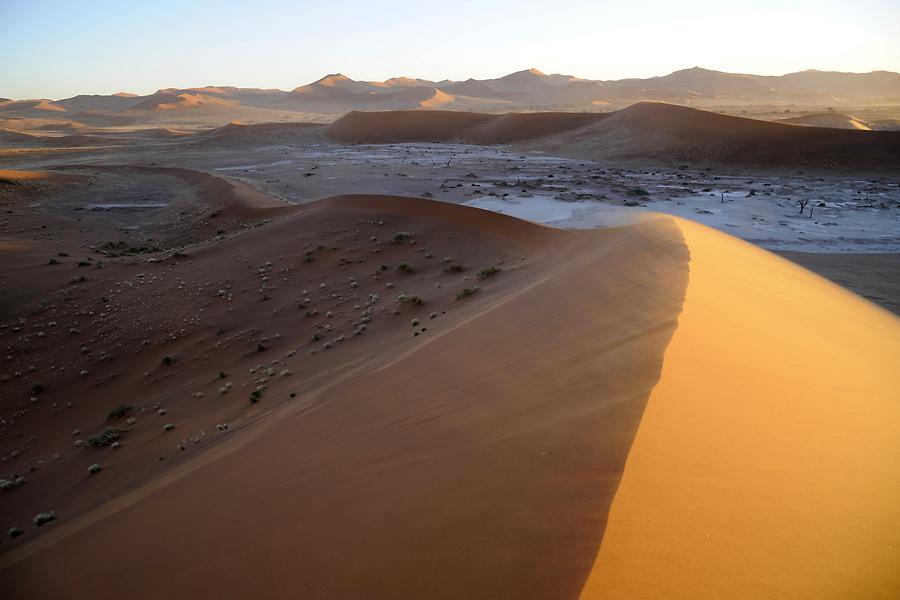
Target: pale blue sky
[{"x": 54, "y": 49}]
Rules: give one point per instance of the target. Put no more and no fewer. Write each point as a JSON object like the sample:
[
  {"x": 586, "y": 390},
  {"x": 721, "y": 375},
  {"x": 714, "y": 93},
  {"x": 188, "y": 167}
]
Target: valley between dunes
[{"x": 392, "y": 397}]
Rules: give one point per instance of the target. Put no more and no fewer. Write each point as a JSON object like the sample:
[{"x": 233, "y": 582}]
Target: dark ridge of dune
[
  {"x": 100, "y": 119},
  {"x": 476, "y": 459},
  {"x": 16, "y": 137},
  {"x": 645, "y": 132},
  {"x": 237, "y": 133},
  {"x": 55, "y": 141},
  {"x": 666, "y": 133},
  {"x": 434, "y": 125}
]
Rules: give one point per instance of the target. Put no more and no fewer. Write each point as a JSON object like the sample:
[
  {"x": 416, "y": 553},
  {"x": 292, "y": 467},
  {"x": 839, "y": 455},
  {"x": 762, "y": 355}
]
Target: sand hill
[
  {"x": 408, "y": 126},
  {"x": 669, "y": 133},
  {"x": 588, "y": 423},
  {"x": 648, "y": 131}
]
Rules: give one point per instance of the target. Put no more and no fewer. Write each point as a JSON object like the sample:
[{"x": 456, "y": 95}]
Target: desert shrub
[
  {"x": 454, "y": 268},
  {"x": 8, "y": 484},
  {"x": 488, "y": 272},
  {"x": 109, "y": 435},
  {"x": 632, "y": 203},
  {"x": 15, "y": 532},
  {"x": 402, "y": 236},
  {"x": 44, "y": 518},
  {"x": 638, "y": 192},
  {"x": 94, "y": 468},
  {"x": 168, "y": 427},
  {"x": 405, "y": 267},
  {"x": 37, "y": 388},
  {"x": 467, "y": 292},
  {"x": 167, "y": 360},
  {"x": 255, "y": 396},
  {"x": 118, "y": 412},
  {"x": 414, "y": 300}
]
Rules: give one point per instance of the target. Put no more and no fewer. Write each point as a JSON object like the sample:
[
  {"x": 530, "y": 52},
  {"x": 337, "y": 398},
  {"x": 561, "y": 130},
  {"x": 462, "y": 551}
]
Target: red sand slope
[
  {"x": 765, "y": 463},
  {"x": 548, "y": 437},
  {"x": 430, "y": 126},
  {"x": 477, "y": 459}
]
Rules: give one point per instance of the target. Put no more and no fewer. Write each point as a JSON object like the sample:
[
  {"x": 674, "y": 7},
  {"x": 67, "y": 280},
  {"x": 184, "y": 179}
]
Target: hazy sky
[{"x": 55, "y": 49}]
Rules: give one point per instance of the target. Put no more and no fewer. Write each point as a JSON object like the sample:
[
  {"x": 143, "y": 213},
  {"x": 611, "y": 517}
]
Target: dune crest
[{"x": 467, "y": 461}]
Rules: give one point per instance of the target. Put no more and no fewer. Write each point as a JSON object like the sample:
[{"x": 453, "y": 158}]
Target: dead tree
[{"x": 802, "y": 204}]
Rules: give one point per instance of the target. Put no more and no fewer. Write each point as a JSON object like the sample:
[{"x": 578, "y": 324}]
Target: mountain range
[{"x": 530, "y": 89}]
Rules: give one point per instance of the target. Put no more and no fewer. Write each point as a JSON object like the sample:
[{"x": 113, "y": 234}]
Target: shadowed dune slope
[
  {"x": 432, "y": 125},
  {"x": 477, "y": 459},
  {"x": 240, "y": 133},
  {"x": 765, "y": 464},
  {"x": 644, "y": 132},
  {"x": 659, "y": 132}
]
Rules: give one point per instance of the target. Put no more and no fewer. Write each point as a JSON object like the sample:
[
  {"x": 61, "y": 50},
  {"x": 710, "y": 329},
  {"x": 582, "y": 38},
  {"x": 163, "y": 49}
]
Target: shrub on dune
[
  {"x": 43, "y": 518},
  {"x": 109, "y": 435},
  {"x": 466, "y": 293},
  {"x": 488, "y": 272},
  {"x": 118, "y": 412}
]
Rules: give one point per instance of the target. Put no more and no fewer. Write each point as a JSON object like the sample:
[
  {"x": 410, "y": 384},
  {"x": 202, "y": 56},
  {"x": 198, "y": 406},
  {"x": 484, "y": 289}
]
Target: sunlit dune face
[{"x": 765, "y": 464}]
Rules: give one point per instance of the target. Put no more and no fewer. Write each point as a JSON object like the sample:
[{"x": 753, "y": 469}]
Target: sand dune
[
  {"x": 666, "y": 133},
  {"x": 36, "y": 107},
  {"x": 763, "y": 466},
  {"x": 639, "y": 411},
  {"x": 438, "y": 453},
  {"x": 239, "y": 133},
  {"x": 175, "y": 101},
  {"x": 426, "y": 126},
  {"x": 648, "y": 131},
  {"x": 18, "y": 138}
]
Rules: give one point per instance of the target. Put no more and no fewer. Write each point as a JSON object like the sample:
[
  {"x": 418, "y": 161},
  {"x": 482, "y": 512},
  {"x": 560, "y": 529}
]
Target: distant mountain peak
[
  {"x": 333, "y": 79},
  {"x": 533, "y": 72}
]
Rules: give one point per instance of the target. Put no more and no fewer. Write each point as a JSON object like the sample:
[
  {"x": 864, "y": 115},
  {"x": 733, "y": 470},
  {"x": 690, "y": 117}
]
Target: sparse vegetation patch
[
  {"x": 488, "y": 272},
  {"x": 109, "y": 435}
]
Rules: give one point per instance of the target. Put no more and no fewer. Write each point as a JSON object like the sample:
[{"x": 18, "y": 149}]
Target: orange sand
[{"x": 766, "y": 462}]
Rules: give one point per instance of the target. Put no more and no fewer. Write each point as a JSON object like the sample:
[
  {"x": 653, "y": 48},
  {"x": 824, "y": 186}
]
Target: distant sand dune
[
  {"x": 647, "y": 131},
  {"x": 429, "y": 126}
]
